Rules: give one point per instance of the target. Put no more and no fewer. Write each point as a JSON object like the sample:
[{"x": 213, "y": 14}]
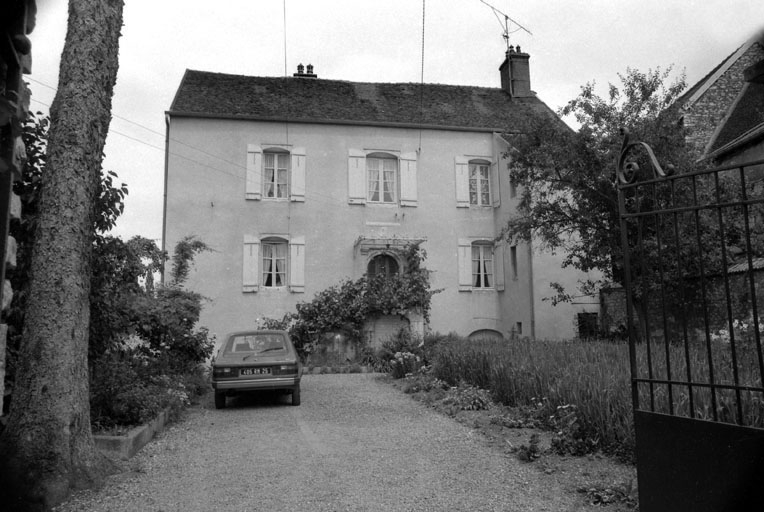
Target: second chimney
[
  {"x": 301, "y": 71},
  {"x": 515, "y": 73}
]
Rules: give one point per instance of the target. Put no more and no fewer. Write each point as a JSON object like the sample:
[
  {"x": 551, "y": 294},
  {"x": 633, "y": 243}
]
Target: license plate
[{"x": 255, "y": 371}]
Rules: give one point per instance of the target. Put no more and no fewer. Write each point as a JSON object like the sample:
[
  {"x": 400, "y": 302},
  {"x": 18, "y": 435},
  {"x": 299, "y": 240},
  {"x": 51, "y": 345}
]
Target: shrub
[{"x": 344, "y": 308}]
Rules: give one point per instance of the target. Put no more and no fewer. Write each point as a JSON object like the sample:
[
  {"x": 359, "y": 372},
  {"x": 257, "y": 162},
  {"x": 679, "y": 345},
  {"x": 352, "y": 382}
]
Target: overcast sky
[{"x": 572, "y": 42}]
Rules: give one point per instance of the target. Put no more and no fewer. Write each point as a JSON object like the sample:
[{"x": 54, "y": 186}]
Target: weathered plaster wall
[{"x": 206, "y": 197}]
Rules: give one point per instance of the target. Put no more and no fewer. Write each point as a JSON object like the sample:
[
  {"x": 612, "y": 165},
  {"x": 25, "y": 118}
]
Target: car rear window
[{"x": 256, "y": 344}]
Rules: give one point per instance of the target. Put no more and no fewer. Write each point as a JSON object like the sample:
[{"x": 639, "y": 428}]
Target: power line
[{"x": 315, "y": 196}]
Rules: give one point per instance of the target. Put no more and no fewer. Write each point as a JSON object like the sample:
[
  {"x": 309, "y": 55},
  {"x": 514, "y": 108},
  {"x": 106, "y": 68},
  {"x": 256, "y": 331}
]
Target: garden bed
[{"x": 125, "y": 446}]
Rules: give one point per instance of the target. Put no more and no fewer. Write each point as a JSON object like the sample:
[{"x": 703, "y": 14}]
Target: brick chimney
[
  {"x": 515, "y": 73},
  {"x": 302, "y": 74}
]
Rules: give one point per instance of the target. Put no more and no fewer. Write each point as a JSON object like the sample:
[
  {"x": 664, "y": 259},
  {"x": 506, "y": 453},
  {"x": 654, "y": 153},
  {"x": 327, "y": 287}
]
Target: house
[
  {"x": 724, "y": 111},
  {"x": 300, "y": 182}
]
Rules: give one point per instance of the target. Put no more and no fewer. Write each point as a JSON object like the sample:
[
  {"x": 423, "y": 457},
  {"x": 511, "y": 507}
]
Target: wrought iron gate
[{"x": 693, "y": 247}]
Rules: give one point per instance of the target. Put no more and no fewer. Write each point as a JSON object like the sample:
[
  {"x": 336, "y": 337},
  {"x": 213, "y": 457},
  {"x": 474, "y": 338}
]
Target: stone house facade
[
  {"x": 300, "y": 182},
  {"x": 724, "y": 111}
]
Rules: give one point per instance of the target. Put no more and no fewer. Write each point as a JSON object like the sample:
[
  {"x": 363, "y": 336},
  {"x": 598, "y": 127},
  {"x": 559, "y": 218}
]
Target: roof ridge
[{"x": 336, "y": 80}]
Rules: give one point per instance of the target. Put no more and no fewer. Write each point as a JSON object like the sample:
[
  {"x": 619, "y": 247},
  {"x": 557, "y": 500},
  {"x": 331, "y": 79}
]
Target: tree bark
[{"x": 47, "y": 447}]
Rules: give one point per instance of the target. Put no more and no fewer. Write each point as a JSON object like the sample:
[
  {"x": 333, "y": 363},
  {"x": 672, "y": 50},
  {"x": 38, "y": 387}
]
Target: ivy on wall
[{"x": 345, "y": 307}]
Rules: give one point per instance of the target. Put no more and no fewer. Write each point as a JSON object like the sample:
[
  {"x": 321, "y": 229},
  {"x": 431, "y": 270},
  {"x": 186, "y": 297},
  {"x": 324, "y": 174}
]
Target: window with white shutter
[
  {"x": 297, "y": 264},
  {"x": 408, "y": 164},
  {"x": 250, "y": 267},
  {"x": 298, "y": 175},
  {"x": 275, "y": 173},
  {"x": 480, "y": 265},
  {"x": 356, "y": 177}
]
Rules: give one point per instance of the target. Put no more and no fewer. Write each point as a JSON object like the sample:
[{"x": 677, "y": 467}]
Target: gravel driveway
[{"x": 355, "y": 443}]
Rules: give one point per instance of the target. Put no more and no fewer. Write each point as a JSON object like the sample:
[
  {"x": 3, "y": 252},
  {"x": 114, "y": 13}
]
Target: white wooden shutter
[
  {"x": 250, "y": 264},
  {"x": 498, "y": 266},
  {"x": 297, "y": 264},
  {"x": 464, "y": 257},
  {"x": 356, "y": 176},
  {"x": 298, "y": 175},
  {"x": 495, "y": 184},
  {"x": 462, "y": 182},
  {"x": 408, "y": 179},
  {"x": 254, "y": 173}
]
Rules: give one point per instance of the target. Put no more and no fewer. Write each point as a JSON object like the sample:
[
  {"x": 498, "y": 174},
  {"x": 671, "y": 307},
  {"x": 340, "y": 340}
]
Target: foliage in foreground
[
  {"x": 144, "y": 351},
  {"x": 579, "y": 389}
]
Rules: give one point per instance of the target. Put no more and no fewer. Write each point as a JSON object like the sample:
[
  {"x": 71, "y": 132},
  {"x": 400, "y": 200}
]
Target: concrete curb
[{"x": 124, "y": 447}]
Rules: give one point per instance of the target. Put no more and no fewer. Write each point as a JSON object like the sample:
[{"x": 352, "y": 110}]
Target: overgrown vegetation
[
  {"x": 345, "y": 307},
  {"x": 580, "y": 390}
]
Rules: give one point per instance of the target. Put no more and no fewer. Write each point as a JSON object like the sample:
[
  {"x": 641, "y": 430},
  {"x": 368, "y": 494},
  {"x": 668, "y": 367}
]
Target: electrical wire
[
  {"x": 421, "y": 82},
  {"x": 314, "y": 196}
]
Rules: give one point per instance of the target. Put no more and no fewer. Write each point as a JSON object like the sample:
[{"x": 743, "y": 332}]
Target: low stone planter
[
  {"x": 318, "y": 370},
  {"x": 124, "y": 447}
]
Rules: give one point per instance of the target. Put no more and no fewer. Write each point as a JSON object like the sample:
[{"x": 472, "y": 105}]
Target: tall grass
[{"x": 595, "y": 377}]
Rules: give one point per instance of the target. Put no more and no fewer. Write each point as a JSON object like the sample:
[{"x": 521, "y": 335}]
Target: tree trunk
[{"x": 47, "y": 447}]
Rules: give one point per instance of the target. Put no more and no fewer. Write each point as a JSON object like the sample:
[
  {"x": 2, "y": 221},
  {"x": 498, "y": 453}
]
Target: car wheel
[
  {"x": 296, "y": 395},
  {"x": 219, "y": 400}
]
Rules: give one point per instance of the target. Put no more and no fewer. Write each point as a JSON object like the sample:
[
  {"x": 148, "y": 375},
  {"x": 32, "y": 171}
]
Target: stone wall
[{"x": 703, "y": 117}]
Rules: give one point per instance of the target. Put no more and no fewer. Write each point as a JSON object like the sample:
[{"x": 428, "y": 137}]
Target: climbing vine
[{"x": 344, "y": 308}]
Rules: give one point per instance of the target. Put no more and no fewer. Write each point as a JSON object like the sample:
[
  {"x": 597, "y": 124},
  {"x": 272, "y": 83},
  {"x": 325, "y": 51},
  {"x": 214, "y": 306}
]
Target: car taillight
[
  {"x": 285, "y": 369},
  {"x": 223, "y": 372}
]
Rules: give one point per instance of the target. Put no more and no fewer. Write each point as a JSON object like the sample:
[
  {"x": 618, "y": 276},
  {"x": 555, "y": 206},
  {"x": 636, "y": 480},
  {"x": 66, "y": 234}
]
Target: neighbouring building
[
  {"x": 724, "y": 111},
  {"x": 299, "y": 182}
]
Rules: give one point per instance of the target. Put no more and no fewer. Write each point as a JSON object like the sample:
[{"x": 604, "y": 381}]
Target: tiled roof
[
  {"x": 756, "y": 264},
  {"x": 318, "y": 100},
  {"x": 745, "y": 117}
]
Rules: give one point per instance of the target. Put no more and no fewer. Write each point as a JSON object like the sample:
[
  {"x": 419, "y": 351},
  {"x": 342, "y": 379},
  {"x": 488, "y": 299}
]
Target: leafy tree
[
  {"x": 116, "y": 265},
  {"x": 569, "y": 199},
  {"x": 47, "y": 445}
]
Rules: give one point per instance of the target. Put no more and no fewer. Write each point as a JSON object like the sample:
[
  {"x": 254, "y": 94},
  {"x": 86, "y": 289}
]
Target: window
[
  {"x": 274, "y": 263},
  {"x": 381, "y": 175},
  {"x": 275, "y": 174},
  {"x": 513, "y": 260},
  {"x": 382, "y": 265},
  {"x": 476, "y": 182},
  {"x": 587, "y": 326},
  {"x": 480, "y": 183},
  {"x": 482, "y": 266},
  {"x": 378, "y": 177}
]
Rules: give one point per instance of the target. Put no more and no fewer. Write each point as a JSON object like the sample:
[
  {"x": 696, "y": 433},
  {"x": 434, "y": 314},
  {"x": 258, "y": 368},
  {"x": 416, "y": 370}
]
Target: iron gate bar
[
  {"x": 667, "y": 382},
  {"x": 704, "y": 300},
  {"x": 730, "y": 324},
  {"x": 752, "y": 282},
  {"x": 658, "y": 229}
]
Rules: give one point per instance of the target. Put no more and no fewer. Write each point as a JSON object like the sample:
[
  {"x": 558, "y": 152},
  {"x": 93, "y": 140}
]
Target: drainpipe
[{"x": 164, "y": 198}]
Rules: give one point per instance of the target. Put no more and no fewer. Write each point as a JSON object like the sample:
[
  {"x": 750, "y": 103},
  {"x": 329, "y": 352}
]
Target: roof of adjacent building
[
  {"x": 743, "y": 121},
  {"x": 317, "y": 100}
]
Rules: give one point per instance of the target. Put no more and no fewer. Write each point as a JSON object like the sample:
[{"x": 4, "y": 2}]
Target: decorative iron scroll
[{"x": 627, "y": 169}]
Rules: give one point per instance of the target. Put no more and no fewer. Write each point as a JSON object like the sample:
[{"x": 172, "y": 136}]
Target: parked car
[{"x": 256, "y": 361}]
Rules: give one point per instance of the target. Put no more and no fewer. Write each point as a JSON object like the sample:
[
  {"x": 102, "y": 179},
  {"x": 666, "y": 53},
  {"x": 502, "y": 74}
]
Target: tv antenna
[{"x": 505, "y": 23}]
